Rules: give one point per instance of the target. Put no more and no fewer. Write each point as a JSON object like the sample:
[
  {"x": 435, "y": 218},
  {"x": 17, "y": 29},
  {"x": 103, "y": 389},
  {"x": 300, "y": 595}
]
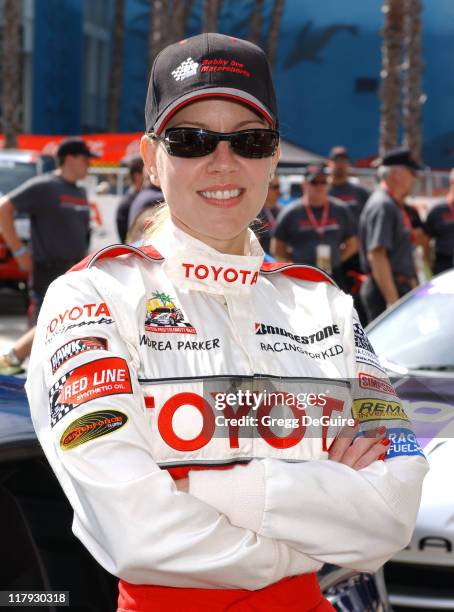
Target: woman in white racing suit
[{"x": 189, "y": 398}]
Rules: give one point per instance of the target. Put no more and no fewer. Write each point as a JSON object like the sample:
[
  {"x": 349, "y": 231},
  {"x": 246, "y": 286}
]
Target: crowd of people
[{"x": 365, "y": 241}]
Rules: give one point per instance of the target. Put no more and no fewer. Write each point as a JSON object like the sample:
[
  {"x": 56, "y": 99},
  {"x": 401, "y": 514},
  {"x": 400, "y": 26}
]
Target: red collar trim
[
  {"x": 115, "y": 250},
  {"x": 301, "y": 272}
]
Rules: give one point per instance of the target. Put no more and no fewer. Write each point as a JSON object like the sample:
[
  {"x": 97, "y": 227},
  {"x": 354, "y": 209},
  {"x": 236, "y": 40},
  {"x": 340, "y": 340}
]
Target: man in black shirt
[
  {"x": 60, "y": 220},
  {"x": 440, "y": 226},
  {"x": 385, "y": 232},
  {"x": 354, "y": 197},
  {"x": 341, "y": 187},
  {"x": 316, "y": 230}
]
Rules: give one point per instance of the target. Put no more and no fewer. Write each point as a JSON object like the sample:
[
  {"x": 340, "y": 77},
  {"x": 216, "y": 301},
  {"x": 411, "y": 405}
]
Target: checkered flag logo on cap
[
  {"x": 57, "y": 409},
  {"x": 186, "y": 69}
]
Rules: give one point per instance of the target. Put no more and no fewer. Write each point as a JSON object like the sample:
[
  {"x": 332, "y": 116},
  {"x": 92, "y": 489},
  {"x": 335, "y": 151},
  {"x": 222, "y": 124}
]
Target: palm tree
[
  {"x": 212, "y": 9},
  {"x": 176, "y": 20},
  {"x": 168, "y": 23},
  {"x": 394, "y": 11},
  {"x": 158, "y": 28},
  {"x": 412, "y": 93},
  {"x": 273, "y": 35},
  {"x": 162, "y": 297},
  {"x": 116, "y": 68},
  {"x": 166, "y": 299},
  {"x": 256, "y": 22},
  {"x": 11, "y": 71}
]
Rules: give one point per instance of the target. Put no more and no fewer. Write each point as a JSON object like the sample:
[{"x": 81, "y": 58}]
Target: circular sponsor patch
[{"x": 91, "y": 426}]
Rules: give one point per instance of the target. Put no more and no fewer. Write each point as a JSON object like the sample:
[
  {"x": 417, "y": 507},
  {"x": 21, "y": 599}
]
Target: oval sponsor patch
[
  {"x": 377, "y": 409},
  {"x": 91, "y": 426}
]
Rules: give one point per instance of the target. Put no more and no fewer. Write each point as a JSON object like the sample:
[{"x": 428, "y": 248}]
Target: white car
[{"x": 415, "y": 343}]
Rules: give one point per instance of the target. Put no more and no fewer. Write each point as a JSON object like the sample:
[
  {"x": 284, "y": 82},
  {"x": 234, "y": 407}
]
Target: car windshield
[
  {"x": 13, "y": 174},
  {"x": 419, "y": 334}
]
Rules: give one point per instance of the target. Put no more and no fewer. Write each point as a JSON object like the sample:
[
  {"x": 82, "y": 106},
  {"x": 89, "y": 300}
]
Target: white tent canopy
[{"x": 294, "y": 156}]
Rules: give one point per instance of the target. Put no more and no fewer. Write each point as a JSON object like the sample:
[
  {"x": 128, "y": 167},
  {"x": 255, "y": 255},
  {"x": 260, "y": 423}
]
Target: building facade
[{"x": 327, "y": 69}]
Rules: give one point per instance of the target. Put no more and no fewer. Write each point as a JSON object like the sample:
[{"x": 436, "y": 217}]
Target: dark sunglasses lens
[
  {"x": 255, "y": 144},
  {"x": 188, "y": 142}
]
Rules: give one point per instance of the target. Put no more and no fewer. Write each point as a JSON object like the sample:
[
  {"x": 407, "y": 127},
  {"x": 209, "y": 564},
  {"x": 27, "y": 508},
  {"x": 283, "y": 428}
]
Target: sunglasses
[
  {"x": 196, "y": 142},
  {"x": 317, "y": 182}
]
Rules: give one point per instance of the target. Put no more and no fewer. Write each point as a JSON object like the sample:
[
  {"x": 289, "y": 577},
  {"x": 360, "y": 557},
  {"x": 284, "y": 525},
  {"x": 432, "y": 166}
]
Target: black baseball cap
[
  {"x": 209, "y": 65},
  {"x": 400, "y": 156},
  {"x": 313, "y": 171},
  {"x": 339, "y": 152},
  {"x": 74, "y": 146}
]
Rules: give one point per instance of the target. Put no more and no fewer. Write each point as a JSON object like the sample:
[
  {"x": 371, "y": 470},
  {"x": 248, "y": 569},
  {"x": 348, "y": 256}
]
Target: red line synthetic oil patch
[
  {"x": 99, "y": 378},
  {"x": 75, "y": 347},
  {"x": 91, "y": 426}
]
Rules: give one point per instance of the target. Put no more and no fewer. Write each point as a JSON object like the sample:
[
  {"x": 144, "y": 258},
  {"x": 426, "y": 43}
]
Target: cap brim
[
  {"x": 415, "y": 166},
  {"x": 214, "y": 92}
]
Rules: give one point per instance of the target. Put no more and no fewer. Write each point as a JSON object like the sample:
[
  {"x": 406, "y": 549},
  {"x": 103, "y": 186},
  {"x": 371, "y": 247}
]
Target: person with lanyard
[
  {"x": 316, "y": 230},
  {"x": 139, "y": 351},
  {"x": 60, "y": 231},
  {"x": 386, "y": 234},
  {"x": 354, "y": 197},
  {"x": 268, "y": 215},
  {"x": 440, "y": 226}
]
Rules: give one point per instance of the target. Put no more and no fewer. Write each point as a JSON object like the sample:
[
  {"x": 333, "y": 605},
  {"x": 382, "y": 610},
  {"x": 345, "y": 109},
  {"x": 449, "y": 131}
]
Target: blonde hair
[{"x": 158, "y": 218}]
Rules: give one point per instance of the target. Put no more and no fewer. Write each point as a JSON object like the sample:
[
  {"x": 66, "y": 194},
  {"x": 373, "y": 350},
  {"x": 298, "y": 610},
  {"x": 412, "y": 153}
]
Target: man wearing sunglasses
[{"x": 316, "y": 230}]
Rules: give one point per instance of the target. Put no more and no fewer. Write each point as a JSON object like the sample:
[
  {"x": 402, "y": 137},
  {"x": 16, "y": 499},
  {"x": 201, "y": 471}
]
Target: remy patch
[
  {"x": 376, "y": 410},
  {"x": 91, "y": 426}
]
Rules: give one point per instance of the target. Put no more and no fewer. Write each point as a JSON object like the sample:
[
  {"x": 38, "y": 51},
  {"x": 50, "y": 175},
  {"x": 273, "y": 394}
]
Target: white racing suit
[{"x": 135, "y": 379}]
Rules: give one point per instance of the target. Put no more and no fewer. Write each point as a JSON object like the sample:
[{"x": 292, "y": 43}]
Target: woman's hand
[{"x": 362, "y": 451}]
